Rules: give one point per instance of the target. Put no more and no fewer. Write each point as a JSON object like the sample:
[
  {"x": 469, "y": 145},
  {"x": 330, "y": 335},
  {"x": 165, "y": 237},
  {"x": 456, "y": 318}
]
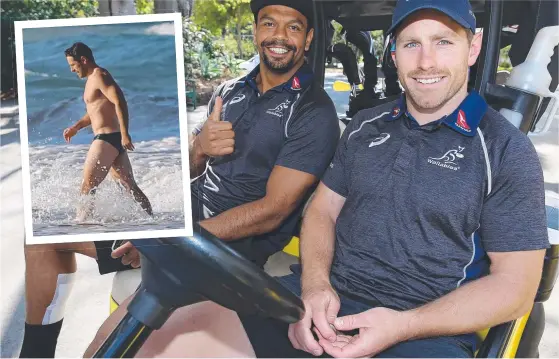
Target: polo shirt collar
[
  {"x": 298, "y": 82},
  {"x": 465, "y": 119}
]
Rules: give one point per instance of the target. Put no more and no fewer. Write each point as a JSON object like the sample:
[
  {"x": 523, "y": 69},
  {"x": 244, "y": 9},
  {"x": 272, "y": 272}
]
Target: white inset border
[{"x": 27, "y": 204}]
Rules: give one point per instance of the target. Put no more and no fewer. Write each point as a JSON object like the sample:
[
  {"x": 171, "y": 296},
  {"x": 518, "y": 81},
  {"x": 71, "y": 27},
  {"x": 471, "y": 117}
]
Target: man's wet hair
[{"x": 79, "y": 49}]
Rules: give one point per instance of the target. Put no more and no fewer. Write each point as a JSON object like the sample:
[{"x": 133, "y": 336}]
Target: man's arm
[
  {"x": 507, "y": 293},
  {"x": 284, "y": 191},
  {"x": 82, "y": 122},
  {"x": 113, "y": 93},
  {"x": 197, "y": 157},
  {"x": 318, "y": 236},
  {"x": 321, "y": 301}
]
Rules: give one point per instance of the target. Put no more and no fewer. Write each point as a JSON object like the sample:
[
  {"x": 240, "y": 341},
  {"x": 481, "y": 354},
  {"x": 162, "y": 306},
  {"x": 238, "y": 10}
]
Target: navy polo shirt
[
  {"x": 293, "y": 125},
  {"x": 424, "y": 204}
]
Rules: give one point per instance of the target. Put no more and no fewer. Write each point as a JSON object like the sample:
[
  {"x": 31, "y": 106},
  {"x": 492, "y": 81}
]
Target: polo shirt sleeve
[
  {"x": 312, "y": 136},
  {"x": 513, "y": 216},
  {"x": 336, "y": 176}
]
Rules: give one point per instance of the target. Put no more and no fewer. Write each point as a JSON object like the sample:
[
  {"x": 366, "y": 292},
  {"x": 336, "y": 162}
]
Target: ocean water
[{"x": 141, "y": 58}]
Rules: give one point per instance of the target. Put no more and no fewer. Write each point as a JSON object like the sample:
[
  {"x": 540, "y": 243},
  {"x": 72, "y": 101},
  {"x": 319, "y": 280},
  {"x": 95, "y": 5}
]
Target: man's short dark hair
[{"x": 79, "y": 49}]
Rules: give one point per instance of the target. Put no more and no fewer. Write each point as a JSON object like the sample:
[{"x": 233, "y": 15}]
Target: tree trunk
[
  {"x": 165, "y": 6},
  {"x": 239, "y": 36},
  {"x": 116, "y": 7}
]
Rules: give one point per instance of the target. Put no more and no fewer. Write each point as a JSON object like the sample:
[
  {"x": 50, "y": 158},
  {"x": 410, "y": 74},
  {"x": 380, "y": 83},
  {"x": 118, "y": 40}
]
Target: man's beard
[{"x": 279, "y": 68}]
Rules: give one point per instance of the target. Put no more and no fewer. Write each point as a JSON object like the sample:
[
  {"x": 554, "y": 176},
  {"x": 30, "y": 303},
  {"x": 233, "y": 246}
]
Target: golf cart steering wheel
[{"x": 185, "y": 270}]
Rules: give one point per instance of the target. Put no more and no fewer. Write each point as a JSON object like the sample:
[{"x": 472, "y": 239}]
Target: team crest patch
[
  {"x": 278, "y": 110},
  {"x": 449, "y": 159},
  {"x": 395, "y": 111},
  {"x": 295, "y": 84},
  {"x": 461, "y": 121}
]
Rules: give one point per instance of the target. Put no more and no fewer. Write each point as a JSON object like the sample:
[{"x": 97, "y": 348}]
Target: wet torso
[{"x": 101, "y": 111}]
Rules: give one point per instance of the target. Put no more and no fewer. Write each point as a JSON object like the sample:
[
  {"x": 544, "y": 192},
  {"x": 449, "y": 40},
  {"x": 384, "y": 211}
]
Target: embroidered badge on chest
[
  {"x": 449, "y": 159},
  {"x": 279, "y": 109}
]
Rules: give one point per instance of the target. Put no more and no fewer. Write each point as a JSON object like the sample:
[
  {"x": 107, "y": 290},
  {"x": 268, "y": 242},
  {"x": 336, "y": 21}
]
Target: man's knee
[{"x": 85, "y": 248}]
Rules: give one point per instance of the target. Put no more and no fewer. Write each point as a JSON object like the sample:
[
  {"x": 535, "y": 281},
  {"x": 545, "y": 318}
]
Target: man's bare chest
[{"x": 92, "y": 95}]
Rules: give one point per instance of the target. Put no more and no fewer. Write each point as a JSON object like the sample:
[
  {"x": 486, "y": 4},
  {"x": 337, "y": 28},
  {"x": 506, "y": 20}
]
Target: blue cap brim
[{"x": 449, "y": 12}]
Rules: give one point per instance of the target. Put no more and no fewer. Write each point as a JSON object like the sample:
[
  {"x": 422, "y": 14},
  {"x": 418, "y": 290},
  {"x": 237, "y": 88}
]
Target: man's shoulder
[
  {"x": 505, "y": 142},
  {"x": 499, "y": 131},
  {"x": 102, "y": 76},
  {"x": 228, "y": 86},
  {"x": 377, "y": 113},
  {"x": 316, "y": 97}
]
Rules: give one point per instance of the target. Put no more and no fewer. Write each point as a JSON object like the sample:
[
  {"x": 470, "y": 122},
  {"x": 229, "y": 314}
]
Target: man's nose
[
  {"x": 427, "y": 58},
  {"x": 280, "y": 32}
]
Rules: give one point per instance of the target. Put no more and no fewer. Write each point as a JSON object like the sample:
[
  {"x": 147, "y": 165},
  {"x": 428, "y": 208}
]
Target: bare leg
[
  {"x": 122, "y": 172},
  {"x": 199, "y": 331},
  {"x": 99, "y": 160},
  {"x": 48, "y": 282},
  {"x": 43, "y": 264}
]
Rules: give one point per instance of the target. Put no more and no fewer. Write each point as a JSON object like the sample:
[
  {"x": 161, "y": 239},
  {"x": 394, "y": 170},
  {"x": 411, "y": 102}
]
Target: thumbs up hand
[{"x": 217, "y": 137}]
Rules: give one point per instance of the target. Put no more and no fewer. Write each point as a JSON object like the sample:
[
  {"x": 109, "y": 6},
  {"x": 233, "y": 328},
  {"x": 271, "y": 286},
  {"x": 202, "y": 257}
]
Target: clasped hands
[{"x": 379, "y": 328}]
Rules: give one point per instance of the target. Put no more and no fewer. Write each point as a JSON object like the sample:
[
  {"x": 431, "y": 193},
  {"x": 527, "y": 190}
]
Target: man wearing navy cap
[
  {"x": 430, "y": 223},
  {"x": 428, "y": 226}
]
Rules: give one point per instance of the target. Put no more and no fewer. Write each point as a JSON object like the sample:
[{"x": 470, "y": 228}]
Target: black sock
[{"x": 39, "y": 341}]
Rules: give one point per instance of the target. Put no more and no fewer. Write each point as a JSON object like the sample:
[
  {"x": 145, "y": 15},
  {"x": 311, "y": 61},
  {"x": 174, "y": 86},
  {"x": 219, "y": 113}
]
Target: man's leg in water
[
  {"x": 98, "y": 162},
  {"x": 48, "y": 270},
  {"x": 122, "y": 172},
  {"x": 201, "y": 330}
]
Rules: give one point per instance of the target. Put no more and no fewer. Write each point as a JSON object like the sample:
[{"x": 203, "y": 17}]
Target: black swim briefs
[{"x": 114, "y": 138}]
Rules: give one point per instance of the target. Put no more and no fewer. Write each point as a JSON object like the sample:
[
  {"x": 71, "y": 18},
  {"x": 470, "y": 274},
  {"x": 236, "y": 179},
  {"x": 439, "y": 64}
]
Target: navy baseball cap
[
  {"x": 305, "y": 7},
  {"x": 458, "y": 10}
]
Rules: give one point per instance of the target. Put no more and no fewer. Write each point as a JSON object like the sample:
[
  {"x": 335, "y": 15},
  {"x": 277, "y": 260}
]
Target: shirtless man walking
[
  {"x": 107, "y": 113},
  {"x": 50, "y": 268}
]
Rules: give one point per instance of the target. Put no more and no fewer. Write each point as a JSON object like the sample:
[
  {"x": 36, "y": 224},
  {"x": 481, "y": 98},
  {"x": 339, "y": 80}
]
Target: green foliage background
[{"x": 17, "y": 10}]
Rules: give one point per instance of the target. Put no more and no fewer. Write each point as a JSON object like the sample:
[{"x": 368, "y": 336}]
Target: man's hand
[
  {"x": 129, "y": 254},
  {"x": 69, "y": 133},
  {"x": 217, "y": 137},
  {"x": 127, "y": 142},
  {"x": 322, "y": 305},
  {"x": 379, "y": 329}
]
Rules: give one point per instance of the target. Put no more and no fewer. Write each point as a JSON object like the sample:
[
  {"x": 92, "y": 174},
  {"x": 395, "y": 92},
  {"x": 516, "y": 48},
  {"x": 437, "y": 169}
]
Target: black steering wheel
[{"x": 185, "y": 270}]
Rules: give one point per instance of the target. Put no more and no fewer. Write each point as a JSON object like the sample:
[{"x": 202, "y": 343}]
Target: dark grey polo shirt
[
  {"x": 293, "y": 125},
  {"x": 424, "y": 204}
]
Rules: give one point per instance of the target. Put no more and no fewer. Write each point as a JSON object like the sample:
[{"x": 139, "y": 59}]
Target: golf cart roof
[{"x": 377, "y": 14}]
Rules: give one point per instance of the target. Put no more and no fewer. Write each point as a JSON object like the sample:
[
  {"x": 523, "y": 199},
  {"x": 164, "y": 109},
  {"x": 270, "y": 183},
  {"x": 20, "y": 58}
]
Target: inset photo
[{"x": 103, "y": 128}]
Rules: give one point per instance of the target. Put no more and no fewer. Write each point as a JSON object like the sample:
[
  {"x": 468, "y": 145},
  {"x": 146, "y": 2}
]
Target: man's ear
[
  {"x": 475, "y": 48},
  {"x": 308, "y": 42},
  {"x": 84, "y": 60}
]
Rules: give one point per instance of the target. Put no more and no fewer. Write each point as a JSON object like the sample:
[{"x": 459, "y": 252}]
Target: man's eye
[
  {"x": 411, "y": 44},
  {"x": 445, "y": 42},
  {"x": 267, "y": 24},
  {"x": 294, "y": 28}
]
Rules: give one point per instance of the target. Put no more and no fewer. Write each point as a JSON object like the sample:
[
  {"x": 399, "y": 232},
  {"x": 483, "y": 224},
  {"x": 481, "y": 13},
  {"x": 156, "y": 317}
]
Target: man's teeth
[
  {"x": 278, "y": 50},
  {"x": 429, "y": 81}
]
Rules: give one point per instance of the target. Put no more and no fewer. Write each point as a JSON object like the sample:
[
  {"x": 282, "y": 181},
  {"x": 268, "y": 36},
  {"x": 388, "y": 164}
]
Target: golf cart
[{"x": 181, "y": 271}]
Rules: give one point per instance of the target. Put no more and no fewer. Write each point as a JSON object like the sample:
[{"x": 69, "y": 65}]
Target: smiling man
[{"x": 267, "y": 141}]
